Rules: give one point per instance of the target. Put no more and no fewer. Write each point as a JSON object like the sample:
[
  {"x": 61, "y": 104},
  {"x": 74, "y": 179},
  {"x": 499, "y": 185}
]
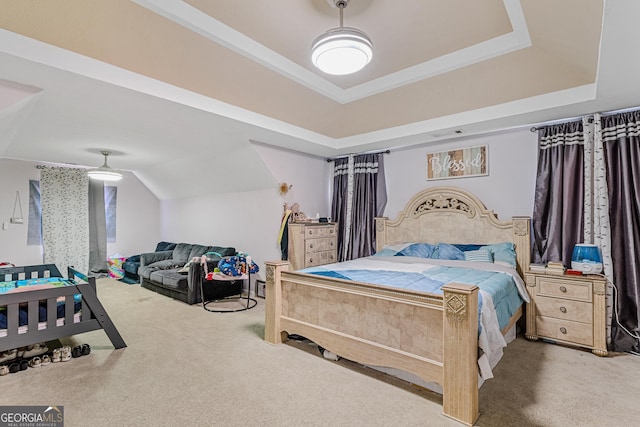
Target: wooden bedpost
[
  {"x": 273, "y": 296},
  {"x": 381, "y": 232},
  {"x": 522, "y": 240},
  {"x": 460, "y": 388}
]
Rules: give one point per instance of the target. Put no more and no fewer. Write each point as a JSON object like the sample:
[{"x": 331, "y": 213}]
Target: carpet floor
[{"x": 186, "y": 366}]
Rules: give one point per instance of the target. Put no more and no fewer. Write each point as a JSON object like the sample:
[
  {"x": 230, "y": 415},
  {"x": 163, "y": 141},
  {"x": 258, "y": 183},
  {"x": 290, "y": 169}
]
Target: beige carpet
[{"x": 185, "y": 366}]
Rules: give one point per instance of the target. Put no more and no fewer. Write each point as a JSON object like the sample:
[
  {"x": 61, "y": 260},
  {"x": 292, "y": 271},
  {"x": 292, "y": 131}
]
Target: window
[{"x": 34, "y": 233}]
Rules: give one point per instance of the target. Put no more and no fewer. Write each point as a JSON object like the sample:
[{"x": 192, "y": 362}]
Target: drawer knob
[
  {"x": 563, "y": 309},
  {"x": 310, "y": 260},
  {"x": 311, "y": 245},
  {"x": 563, "y": 330},
  {"x": 563, "y": 289}
]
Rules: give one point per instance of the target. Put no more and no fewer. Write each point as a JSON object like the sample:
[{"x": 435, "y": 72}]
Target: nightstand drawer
[
  {"x": 565, "y": 330},
  {"x": 564, "y": 289},
  {"x": 576, "y": 311}
]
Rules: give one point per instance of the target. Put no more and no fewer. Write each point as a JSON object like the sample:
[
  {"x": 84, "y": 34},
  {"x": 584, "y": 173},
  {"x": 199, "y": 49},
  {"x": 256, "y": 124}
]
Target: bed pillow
[
  {"x": 479, "y": 255},
  {"x": 421, "y": 250},
  {"x": 447, "y": 251},
  {"x": 503, "y": 253}
]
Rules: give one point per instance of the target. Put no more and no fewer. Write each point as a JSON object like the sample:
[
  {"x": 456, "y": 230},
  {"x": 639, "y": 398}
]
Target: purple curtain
[
  {"x": 620, "y": 135},
  {"x": 559, "y": 196},
  {"x": 359, "y": 195},
  {"x": 339, "y": 200}
]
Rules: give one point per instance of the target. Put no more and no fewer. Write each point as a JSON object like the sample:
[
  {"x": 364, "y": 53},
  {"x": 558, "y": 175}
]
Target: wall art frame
[{"x": 459, "y": 163}]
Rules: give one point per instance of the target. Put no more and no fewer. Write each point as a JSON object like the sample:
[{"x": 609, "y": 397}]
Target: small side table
[{"x": 226, "y": 304}]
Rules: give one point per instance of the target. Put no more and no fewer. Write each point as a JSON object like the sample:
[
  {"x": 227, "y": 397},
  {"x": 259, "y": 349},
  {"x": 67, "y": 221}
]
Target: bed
[
  {"x": 37, "y": 304},
  {"x": 433, "y": 336}
]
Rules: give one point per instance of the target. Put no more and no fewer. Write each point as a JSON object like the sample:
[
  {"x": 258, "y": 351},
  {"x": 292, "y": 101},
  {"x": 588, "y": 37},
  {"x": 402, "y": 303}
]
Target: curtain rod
[
  {"x": 606, "y": 113},
  {"x": 534, "y": 128},
  {"x": 355, "y": 154}
]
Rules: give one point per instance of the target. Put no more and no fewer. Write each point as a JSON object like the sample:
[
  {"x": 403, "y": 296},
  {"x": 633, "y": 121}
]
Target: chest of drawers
[
  {"x": 312, "y": 244},
  {"x": 567, "y": 309}
]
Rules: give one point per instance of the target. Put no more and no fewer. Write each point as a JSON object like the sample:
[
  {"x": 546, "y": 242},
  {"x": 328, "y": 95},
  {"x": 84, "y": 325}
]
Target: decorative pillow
[
  {"x": 503, "y": 253},
  {"x": 479, "y": 255},
  {"x": 421, "y": 250},
  {"x": 197, "y": 250},
  {"x": 447, "y": 251},
  {"x": 165, "y": 246},
  {"x": 181, "y": 252}
]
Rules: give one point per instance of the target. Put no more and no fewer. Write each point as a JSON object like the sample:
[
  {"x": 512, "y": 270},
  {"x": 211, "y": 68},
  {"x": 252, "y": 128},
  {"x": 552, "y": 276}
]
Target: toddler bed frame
[
  {"x": 92, "y": 316},
  {"x": 432, "y": 336}
]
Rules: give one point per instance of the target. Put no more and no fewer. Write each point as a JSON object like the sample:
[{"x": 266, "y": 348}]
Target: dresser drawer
[
  {"x": 577, "y": 311},
  {"x": 564, "y": 289},
  {"x": 565, "y": 330},
  {"x": 319, "y": 258},
  {"x": 320, "y": 231},
  {"x": 319, "y": 245}
]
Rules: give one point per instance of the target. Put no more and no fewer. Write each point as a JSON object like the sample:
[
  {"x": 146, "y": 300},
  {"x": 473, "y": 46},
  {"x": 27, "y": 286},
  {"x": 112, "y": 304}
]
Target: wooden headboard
[{"x": 453, "y": 215}]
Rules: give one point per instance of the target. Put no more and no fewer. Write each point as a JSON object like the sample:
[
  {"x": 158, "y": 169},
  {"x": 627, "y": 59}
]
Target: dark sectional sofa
[{"x": 160, "y": 271}]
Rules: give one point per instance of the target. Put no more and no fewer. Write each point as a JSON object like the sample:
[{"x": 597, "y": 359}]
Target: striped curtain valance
[
  {"x": 358, "y": 167},
  {"x": 570, "y": 133},
  {"x": 621, "y": 125}
]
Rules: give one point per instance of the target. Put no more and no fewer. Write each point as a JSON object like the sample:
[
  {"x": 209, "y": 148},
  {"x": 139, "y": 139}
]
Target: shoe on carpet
[
  {"x": 8, "y": 355},
  {"x": 65, "y": 353},
  {"x": 36, "y": 362},
  {"x": 46, "y": 360},
  {"x": 86, "y": 349},
  {"x": 77, "y": 351},
  {"x": 56, "y": 355},
  {"x": 4, "y": 370},
  {"x": 35, "y": 350}
]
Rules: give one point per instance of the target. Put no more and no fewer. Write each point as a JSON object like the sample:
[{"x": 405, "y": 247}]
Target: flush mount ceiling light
[
  {"x": 341, "y": 50},
  {"x": 104, "y": 172}
]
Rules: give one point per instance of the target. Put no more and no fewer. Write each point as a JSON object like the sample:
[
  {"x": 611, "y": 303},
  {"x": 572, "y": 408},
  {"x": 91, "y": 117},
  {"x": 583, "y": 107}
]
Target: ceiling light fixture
[
  {"x": 104, "y": 172},
  {"x": 341, "y": 50}
]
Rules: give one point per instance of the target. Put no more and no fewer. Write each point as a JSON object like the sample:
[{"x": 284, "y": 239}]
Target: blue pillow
[
  {"x": 421, "y": 250},
  {"x": 447, "y": 251},
  {"x": 479, "y": 255},
  {"x": 503, "y": 253},
  {"x": 467, "y": 247}
]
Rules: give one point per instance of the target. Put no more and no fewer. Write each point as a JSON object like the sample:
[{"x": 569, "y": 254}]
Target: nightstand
[{"x": 567, "y": 309}]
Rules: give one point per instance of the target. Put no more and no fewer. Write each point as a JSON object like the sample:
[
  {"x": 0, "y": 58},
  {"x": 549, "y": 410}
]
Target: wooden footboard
[{"x": 375, "y": 325}]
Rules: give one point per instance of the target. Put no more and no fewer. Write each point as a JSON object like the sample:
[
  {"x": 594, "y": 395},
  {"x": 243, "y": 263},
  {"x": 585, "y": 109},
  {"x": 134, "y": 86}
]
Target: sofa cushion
[
  {"x": 197, "y": 251},
  {"x": 145, "y": 271},
  {"x": 165, "y": 246},
  {"x": 223, "y": 251},
  {"x": 170, "y": 279},
  {"x": 181, "y": 252}
]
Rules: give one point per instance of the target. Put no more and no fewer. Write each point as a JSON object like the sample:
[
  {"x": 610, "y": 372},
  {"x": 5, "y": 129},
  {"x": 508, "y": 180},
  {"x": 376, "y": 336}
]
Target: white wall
[
  {"x": 508, "y": 190},
  {"x": 138, "y": 215},
  {"x": 250, "y": 221},
  {"x": 15, "y": 176}
]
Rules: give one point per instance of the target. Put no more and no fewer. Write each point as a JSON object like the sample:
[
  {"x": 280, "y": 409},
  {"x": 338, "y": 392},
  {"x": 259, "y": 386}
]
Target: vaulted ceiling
[{"x": 179, "y": 90}]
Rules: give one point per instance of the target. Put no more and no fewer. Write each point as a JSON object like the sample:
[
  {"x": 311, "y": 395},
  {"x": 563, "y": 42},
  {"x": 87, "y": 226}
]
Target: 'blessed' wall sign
[{"x": 465, "y": 162}]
